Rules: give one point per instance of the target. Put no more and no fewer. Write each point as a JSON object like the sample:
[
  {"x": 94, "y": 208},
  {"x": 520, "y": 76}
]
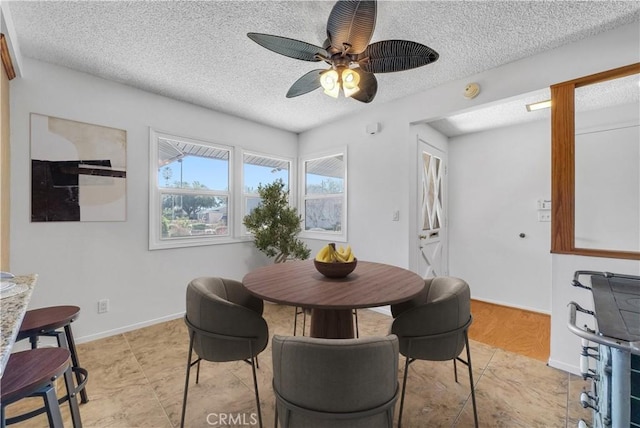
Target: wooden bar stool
[
  {"x": 32, "y": 374},
  {"x": 47, "y": 322}
]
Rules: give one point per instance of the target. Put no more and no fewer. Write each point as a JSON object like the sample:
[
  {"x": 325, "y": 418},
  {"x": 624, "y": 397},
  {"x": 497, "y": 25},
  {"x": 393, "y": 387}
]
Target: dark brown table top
[{"x": 298, "y": 283}]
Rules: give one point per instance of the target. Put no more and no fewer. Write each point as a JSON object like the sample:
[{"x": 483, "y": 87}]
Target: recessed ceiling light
[{"x": 539, "y": 105}]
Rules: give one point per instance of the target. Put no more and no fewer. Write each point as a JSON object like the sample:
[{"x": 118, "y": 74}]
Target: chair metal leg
[
  {"x": 73, "y": 399},
  {"x": 255, "y": 384},
  {"x": 455, "y": 370},
  {"x": 404, "y": 387},
  {"x": 186, "y": 382},
  {"x": 303, "y": 312},
  {"x": 473, "y": 394},
  {"x": 53, "y": 409},
  {"x": 69, "y": 383},
  {"x": 75, "y": 361}
]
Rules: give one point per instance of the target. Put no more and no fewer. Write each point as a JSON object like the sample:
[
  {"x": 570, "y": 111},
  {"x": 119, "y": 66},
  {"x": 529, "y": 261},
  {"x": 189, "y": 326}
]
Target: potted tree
[{"x": 275, "y": 225}]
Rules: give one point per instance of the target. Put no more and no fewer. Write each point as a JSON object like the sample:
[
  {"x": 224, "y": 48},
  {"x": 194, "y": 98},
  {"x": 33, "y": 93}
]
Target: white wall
[
  {"x": 625, "y": 171},
  {"x": 377, "y": 174},
  {"x": 382, "y": 172},
  {"x": 81, "y": 262},
  {"x": 495, "y": 180}
]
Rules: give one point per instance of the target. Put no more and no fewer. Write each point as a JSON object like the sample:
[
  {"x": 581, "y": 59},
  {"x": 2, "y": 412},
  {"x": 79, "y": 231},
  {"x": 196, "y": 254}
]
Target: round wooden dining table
[{"x": 298, "y": 283}]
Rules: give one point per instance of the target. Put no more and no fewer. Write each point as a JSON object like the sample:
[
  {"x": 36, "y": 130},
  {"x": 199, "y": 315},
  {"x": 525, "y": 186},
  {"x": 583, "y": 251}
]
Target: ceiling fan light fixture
[
  {"x": 330, "y": 83},
  {"x": 349, "y": 53},
  {"x": 350, "y": 81}
]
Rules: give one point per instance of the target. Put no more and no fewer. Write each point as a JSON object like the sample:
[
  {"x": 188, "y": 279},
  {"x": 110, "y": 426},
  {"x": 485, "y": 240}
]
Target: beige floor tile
[
  {"x": 137, "y": 380},
  {"x": 517, "y": 391}
]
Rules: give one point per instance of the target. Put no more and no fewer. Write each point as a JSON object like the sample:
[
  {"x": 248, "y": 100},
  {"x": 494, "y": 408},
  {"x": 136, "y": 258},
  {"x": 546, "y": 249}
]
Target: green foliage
[
  {"x": 275, "y": 225},
  {"x": 189, "y": 205}
]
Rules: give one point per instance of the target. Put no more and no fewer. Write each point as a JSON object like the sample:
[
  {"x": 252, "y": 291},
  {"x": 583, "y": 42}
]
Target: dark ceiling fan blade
[
  {"x": 289, "y": 47},
  {"x": 307, "y": 83},
  {"x": 395, "y": 55},
  {"x": 368, "y": 87},
  {"x": 351, "y": 23}
]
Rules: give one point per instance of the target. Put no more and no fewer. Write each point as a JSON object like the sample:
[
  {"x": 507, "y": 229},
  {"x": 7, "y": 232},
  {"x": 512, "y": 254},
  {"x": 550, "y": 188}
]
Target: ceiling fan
[{"x": 347, "y": 50}]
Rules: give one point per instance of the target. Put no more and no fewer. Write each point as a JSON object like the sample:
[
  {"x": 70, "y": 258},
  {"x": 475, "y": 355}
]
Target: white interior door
[{"x": 432, "y": 219}]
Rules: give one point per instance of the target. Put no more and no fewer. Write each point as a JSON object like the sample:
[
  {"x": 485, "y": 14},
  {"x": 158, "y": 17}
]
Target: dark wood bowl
[{"x": 335, "y": 269}]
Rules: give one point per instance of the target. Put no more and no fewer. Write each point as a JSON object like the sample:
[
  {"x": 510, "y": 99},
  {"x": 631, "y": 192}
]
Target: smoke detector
[{"x": 471, "y": 91}]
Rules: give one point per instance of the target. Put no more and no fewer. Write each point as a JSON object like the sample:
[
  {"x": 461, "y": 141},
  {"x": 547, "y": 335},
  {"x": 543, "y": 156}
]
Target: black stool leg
[
  {"x": 73, "y": 401},
  {"x": 53, "y": 409},
  {"x": 68, "y": 381},
  {"x": 75, "y": 361}
]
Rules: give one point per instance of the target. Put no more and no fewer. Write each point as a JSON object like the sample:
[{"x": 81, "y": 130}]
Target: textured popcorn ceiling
[
  {"x": 610, "y": 93},
  {"x": 198, "y": 52}
]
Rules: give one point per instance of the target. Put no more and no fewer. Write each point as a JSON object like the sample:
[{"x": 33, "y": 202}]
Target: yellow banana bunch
[
  {"x": 329, "y": 254},
  {"x": 324, "y": 255}
]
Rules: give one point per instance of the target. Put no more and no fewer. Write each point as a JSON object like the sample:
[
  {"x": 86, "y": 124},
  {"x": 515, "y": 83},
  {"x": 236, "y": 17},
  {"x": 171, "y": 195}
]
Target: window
[
  {"x": 325, "y": 196},
  {"x": 190, "y": 199},
  {"x": 260, "y": 169}
]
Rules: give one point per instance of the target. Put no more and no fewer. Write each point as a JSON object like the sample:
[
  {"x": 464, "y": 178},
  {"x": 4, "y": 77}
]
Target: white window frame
[
  {"x": 243, "y": 232},
  {"x": 155, "y": 197},
  {"x": 340, "y": 236}
]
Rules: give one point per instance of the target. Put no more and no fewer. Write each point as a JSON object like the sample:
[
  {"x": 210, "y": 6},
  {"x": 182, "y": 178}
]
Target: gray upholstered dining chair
[
  {"x": 335, "y": 382},
  {"x": 434, "y": 326},
  {"x": 225, "y": 323}
]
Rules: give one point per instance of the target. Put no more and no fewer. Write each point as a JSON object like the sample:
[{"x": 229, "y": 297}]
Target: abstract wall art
[{"x": 78, "y": 171}]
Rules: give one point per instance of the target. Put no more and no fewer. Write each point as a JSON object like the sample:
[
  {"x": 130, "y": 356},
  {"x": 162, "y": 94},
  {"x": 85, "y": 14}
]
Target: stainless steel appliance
[{"x": 610, "y": 354}]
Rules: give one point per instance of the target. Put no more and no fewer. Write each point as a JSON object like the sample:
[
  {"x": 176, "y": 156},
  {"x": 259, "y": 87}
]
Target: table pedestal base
[{"x": 332, "y": 323}]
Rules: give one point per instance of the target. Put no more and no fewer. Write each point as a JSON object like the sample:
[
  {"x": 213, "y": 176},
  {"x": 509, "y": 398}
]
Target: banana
[
  {"x": 329, "y": 258},
  {"x": 329, "y": 254},
  {"x": 322, "y": 254},
  {"x": 340, "y": 257},
  {"x": 333, "y": 254},
  {"x": 347, "y": 252}
]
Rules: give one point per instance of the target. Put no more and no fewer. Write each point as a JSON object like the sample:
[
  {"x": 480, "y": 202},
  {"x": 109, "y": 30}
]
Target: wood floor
[{"x": 523, "y": 332}]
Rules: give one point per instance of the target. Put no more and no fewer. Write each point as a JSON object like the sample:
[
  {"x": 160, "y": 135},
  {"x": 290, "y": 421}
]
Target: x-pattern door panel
[{"x": 431, "y": 216}]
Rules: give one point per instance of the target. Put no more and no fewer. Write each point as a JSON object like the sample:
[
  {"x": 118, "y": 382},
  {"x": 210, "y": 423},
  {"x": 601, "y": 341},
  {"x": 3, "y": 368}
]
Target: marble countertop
[{"x": 12, "y": 310}]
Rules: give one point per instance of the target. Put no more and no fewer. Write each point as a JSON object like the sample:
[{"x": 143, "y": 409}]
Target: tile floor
[{"x": 137, "y": 379}]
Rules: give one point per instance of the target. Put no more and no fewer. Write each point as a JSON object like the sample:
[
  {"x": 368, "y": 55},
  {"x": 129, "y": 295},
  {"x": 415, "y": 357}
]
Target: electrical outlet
[
  {"x": 544, "y": 216},
  {"x": 103, "y": 306}
]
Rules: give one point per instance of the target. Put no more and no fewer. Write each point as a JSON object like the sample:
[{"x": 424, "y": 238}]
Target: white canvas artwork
[{"x": 78, "y": 171}]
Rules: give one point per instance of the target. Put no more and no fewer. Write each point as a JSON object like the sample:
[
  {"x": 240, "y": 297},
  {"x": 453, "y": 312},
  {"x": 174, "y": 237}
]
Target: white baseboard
[
  {"x": 511, "y": 305},
  {"x": 127, "y": 328},
  {"x": 382, "y": 310},
  {"x": 564, "y": 366}
]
